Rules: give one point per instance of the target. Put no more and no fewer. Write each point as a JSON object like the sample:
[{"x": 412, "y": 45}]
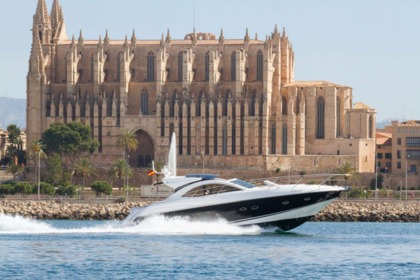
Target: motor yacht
[{"x": 266, "y": 203}]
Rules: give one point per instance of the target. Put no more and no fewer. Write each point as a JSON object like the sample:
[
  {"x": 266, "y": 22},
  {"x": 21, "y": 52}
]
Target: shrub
[
  {"x": 47, "y": 188},
  {"x": 11, "y": 182},
  {"x": 69, "y": 190},
  {"x": 357, "y": 192},
  {"x": 101, "y": 187},
  {"x": 7, "y": 189},
  {"x": 24, "y": 188}
]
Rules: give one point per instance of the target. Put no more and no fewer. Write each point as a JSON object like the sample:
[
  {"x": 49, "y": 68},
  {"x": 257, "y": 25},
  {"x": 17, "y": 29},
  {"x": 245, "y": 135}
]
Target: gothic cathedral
[{"x": 233, "y": 101}]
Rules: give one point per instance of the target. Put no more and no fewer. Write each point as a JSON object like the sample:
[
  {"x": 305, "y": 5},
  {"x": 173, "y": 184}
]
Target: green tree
[
  {"x": 71, "y": 141},
  {"x": 68, "y": 190},
  {"x": 46, "y": 188},
  {"x": 101, "y": 187},
  {"x": 127, "y": 141},
  {"x": 14, "y": 136},
  {"x": 36, "y": 151},
  {"x": 23, "y": 188},
  {"x": 120, "y": 170},
  {"x": 85, "y": 168},
  {"x": 14, "y": 152},
  {"x": 54, "y": 170},
  {"x": 378, "y": 182},
  {"x": 351, "y": 175},
  {"x": 14, "y": 169}
]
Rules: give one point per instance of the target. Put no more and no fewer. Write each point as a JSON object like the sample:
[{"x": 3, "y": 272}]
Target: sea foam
[{"x": 157, "y": 225}]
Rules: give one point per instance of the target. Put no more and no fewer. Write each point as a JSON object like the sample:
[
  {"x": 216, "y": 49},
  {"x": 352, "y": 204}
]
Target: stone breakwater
[
  {"x": 53, "y": 210},
  {"x": 339, "y": 211},
  {"x": 370, "y": 211}
]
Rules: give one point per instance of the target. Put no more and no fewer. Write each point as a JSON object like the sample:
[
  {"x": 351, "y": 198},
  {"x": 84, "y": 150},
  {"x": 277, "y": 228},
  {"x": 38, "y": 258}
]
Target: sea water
[{"x": 175, "y": 248}]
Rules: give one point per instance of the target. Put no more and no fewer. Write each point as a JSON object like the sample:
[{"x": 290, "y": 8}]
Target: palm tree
[
  {"x": 127, "y": 141},
  {"x": 351, "y": 175},
  {"x": 14, "y": 169},
  {"x": 120, "y": 170},
  {"x": 36, "y": 150},
  {"x": 85, "y": 168}
]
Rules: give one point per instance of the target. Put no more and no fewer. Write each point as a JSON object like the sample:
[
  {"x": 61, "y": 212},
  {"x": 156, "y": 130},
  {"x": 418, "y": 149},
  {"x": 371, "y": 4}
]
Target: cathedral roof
[
  {"x": 312, "y": 84},
  {"x": 360, "y": 105},
  {"x": 173, "y": 42}
]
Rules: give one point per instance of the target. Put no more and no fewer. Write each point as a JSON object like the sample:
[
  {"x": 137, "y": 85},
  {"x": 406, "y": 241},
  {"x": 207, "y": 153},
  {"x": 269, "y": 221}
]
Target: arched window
[
  {"x": 284, "y": 140},
  {"x": 144, "y": 102},
  {"x": 150, "y": 67},
  {"x": 224, "y": 140},
  {"x": 233, "y": 139},
  {"x": 171, "y": 130},
  {"x": 297, "y": 110},
  {"x": 320, "y": 120},
  {"x": 180, "y": 62},
  {"x": 371, "y": 124},
  {"x": 259, "y": 66},
  {"x": 226, "y": 103},
  {"x": 48, "y": 109},
  {"x": 207, "y": 67},
  {"x": 253, "y": 102},
  {"x": 148, "y": 160},
  {"x": 283, "y": 105},
  {"x": 109, "y": 107},
  {"x": 273, "y": 138},
  {"x": 172, "y": 105},
  {"x": 338, "y": 117},
  {"x": 233, "y": 66},
  {"x": 141, "y": 162}
]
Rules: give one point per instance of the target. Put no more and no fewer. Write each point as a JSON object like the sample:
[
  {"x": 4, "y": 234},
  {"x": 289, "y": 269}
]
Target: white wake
[{"x": 158, "y": 225}]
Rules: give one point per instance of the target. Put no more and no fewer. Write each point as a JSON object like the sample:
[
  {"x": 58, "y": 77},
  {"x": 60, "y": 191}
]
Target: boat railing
[{"x": 309, "y": 179}]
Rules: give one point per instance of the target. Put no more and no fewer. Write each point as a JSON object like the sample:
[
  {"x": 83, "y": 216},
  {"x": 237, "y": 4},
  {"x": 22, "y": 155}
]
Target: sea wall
[{"x": 339, "y": 211}]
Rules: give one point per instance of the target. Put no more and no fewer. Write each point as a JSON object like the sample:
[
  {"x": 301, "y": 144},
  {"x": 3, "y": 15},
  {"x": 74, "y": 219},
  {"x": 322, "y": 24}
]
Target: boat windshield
[{"x": 242, "y": 183}]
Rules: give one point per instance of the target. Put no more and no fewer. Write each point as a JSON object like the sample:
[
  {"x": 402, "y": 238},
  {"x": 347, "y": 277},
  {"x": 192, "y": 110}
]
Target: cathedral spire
[
  {"x": 100, "y": 41},
  {"x": 168, "y": 37},
  {"x": 81, "y": 39},
  {"x": 106, "y": 39},
  {"x": 58, "y": 27},
  {"x": 56, "y": 15},
  {"x": 133, "y": 38},
  {"x": 41, "y": 15},
  {"x": 73, "y": 41},
  {"x": 276, "y": 31},
  {"x": 246, "y": 38},
  {"x": 42, "y": 22},
  {"x": 162, "y": 39},
  {"x": 283, "y": 35},
  {"x": 36, "y": 59},
  {"x": 221, "y": 37}
]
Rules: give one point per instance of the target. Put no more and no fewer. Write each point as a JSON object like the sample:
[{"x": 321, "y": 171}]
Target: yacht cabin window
[{"x": 209, "y": 190}]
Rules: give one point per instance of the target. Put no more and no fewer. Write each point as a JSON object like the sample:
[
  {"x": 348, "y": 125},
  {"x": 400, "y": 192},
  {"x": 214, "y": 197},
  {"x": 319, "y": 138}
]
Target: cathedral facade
[{"x": 230, "y": 102}]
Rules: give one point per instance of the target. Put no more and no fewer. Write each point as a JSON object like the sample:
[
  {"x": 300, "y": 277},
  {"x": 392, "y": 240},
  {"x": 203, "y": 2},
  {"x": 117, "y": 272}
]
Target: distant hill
[
  {"x": 12, "y": 111},
  {"x": 386, "y": 122}
]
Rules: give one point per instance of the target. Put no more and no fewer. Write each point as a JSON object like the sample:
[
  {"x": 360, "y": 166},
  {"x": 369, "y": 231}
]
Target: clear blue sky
[{"x": 372, "y": 46}]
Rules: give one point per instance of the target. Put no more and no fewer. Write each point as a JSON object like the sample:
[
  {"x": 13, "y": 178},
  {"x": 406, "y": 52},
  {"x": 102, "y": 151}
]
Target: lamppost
[
  {"x": 406, "y": 175},
  {"x": 39, "y": 174},
  {"x": 126, "y": 175}
]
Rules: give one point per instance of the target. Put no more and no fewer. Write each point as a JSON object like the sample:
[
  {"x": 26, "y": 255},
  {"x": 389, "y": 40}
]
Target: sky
[{"x": 372, "y": 46}]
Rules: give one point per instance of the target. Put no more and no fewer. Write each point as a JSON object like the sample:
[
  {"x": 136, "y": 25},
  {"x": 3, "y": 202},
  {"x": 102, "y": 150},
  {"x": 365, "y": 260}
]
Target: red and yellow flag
[{"x": 151, "y": 173}]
